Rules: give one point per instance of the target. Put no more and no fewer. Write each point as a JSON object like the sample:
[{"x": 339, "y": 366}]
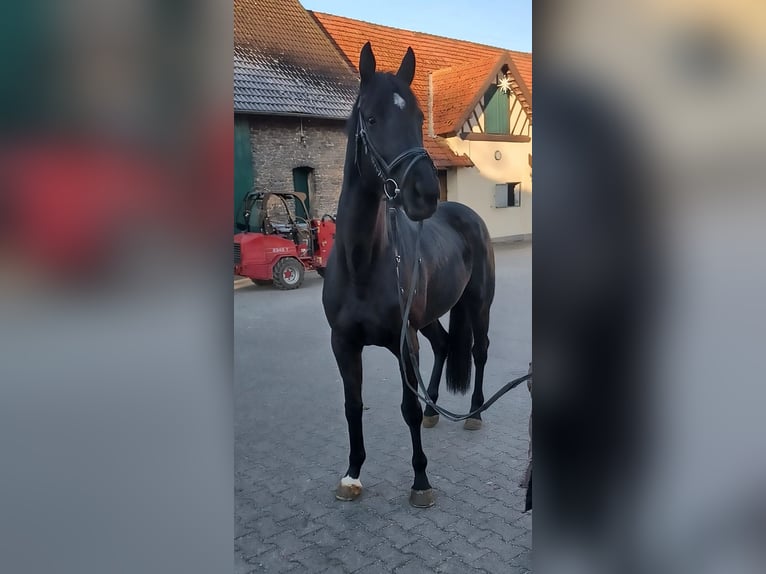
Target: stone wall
[{"x": 278, "y": 148}]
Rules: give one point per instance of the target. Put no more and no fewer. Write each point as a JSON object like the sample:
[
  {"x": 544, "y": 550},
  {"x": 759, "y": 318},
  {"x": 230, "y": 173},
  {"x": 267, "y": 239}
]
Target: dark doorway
[
  {"x": 243, "y": 165},
  {"x": 303, "y": 182},
  {"x": 442, "y": 184}
]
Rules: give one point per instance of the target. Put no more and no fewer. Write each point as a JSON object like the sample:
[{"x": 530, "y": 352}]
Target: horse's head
[{"x": 390, "y": 126}]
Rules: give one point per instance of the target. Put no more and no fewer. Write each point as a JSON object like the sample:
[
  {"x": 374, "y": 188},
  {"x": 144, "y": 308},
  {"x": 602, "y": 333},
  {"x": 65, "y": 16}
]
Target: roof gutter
[{"x": 291, "y": 115}]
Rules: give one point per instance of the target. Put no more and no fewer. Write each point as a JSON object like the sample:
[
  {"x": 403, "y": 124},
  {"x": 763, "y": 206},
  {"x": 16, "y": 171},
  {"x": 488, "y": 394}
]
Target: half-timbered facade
[
  {"x": 478, "y": 105},
  {"x": 494, "y": 129}
]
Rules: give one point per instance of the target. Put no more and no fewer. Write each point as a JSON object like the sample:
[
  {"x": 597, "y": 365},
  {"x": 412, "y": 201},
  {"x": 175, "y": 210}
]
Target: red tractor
[{"x": 276, "y": 245}]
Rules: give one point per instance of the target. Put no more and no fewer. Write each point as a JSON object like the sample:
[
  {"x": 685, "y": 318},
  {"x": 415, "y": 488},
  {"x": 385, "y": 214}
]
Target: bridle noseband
[{"x": 384, "y": 169}]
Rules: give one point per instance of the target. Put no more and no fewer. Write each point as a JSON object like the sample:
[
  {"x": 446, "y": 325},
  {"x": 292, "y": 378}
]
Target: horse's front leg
[
  {"x": 421, "y": 495},
  {"x": 348, "y": 355}
]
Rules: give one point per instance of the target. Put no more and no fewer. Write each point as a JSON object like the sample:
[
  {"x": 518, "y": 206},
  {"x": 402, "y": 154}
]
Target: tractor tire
[
  {"x": 288, "y": 274},
  {"x": 320, "y": 271}
]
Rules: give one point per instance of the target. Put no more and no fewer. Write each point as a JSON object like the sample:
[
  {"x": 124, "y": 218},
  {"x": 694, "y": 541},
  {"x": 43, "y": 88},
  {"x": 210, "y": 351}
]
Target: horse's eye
[{"x": 371, "y": 120}]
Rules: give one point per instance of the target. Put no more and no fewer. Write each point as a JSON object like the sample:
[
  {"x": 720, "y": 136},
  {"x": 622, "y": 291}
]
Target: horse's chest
[{"x": 372, "y": 323}]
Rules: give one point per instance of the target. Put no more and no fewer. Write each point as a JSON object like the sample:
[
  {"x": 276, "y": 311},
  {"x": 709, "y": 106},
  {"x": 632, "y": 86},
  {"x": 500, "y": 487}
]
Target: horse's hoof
[
  {"x": 430, "y": 421},
  {"x": 348, "y": 489},
  {"x": 472, "y": 424},
  {"x": 422, "y": 498}
]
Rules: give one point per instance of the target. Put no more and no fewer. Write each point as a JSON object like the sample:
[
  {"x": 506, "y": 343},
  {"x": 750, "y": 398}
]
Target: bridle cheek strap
[{"x": 385, "y": 169}]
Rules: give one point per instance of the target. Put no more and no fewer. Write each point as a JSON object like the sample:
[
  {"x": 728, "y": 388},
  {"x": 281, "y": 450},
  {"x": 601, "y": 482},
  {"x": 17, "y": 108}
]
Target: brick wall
[{"x": 278, "y": 149}]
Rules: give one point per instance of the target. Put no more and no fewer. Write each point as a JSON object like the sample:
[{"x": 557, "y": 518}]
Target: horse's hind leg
[
  {"x": 349, "y": 358},
  {"x": 480, "y": 325},
  {"x": 421, "y": 495},
  {"x": 437, "y": 336}
]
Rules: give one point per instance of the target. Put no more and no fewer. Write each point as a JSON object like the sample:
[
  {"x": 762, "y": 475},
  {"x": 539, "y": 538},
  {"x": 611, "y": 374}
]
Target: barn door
[
  {"x": 243, "y": 166},
  {"x": 302, "y": 183}
]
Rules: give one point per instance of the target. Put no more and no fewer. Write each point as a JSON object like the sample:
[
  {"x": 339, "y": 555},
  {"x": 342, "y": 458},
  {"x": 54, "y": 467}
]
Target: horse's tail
[{"x": 459, "y": 341}]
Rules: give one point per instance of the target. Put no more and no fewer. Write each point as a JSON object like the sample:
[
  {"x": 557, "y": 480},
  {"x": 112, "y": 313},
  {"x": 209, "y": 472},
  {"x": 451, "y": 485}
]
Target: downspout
[{"x": 430, "y": 104}]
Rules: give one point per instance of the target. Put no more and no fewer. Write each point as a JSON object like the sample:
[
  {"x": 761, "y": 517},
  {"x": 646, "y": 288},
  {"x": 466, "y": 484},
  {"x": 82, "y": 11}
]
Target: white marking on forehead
[{"x": 399, "y": 101}]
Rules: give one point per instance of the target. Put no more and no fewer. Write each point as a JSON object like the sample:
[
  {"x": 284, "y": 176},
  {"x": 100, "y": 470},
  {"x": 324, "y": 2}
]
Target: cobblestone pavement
[{"x": 291, "y": 447}]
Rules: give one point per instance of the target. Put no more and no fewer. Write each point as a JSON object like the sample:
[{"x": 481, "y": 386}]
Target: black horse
[{"x": 361, "y": 290}]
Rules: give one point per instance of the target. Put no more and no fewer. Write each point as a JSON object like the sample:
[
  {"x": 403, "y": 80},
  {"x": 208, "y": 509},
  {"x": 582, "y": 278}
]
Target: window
[
  {"x": 497, "y": 112},
  {"x": 508, "y": 194}
]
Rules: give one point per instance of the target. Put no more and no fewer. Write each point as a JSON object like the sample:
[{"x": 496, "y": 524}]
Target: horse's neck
[
  {"x": 361, "y": 235},
  {"x": 362, "y": 230}
]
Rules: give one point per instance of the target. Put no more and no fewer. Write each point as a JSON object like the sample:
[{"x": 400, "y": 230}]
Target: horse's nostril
[{"x": 425, "y": 191}]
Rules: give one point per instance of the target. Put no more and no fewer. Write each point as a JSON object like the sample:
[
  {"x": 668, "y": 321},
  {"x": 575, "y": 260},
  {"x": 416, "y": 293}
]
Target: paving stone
[
  {"x": 434, "y": 533},
  {"x": 389, "y": 556},
  {"x": 429, "y": 554},
  {"x": 288, "y": 543},
  {"x": 465, "y": 530},
  {"x": 316, "y": 558},
  {"x": 467, "y": 551},
  {"x": 273, "y": 561},
  {"x": 351, "y": 558},
  {"x": 455, "y": 566},
  {"x": 249, "y": 549},
  {"x": 413, "y": 566},
  {"x": 291, "y": 448},
  {"x": 397, "y": 536},
  {"x": 524, "y": 540},
  {"x": 492, "y": 563},
  {"x": 522, "y": 562}
]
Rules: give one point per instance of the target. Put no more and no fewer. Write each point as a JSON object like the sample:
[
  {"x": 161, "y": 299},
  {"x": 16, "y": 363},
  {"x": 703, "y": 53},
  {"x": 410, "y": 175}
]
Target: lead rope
[{"x": 404, "y": 338}]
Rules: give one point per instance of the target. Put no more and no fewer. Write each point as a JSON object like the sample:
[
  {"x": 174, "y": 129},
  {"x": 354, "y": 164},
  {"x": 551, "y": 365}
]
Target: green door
[
  {"x": 301, "y": 176},
  {"x": 243, "y": 164}
]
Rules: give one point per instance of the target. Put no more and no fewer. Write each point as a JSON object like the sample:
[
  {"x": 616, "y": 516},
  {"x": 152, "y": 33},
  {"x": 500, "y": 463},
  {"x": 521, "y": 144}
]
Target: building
[
  {"x": 295, "y": 82},
  {"x": 293, "y": 91},
  {"x": 478, "y": 103}
]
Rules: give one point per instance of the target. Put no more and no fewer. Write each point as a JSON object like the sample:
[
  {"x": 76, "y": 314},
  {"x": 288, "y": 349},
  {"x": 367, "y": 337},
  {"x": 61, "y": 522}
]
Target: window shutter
[
  {"x": 497, "y": 113},
  {"x": 501, "y": 195}
]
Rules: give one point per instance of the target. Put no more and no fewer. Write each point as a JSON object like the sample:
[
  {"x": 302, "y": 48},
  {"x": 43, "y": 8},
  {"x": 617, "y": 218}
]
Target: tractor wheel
[
  {"x": 320, "y": 271},
  {"x": 288, "y": 273}
]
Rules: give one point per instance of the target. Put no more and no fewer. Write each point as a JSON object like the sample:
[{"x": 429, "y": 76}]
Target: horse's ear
[
  {"x": 366, "y": 63},
  {"x": 407, "y": 68}
]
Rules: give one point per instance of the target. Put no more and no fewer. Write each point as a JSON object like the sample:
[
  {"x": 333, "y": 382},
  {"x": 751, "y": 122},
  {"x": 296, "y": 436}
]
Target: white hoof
[{"x": 348, "y": 489}]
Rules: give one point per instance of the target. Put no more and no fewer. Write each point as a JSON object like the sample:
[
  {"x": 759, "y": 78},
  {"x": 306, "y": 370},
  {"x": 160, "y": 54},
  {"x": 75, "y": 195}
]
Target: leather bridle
[{"x": 384, "y": 169}]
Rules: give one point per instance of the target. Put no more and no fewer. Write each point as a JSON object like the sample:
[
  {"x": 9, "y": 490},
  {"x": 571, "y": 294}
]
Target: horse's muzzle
[{"x": 421, "y": 200}]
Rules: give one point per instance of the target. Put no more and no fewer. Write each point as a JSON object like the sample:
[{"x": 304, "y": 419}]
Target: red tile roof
[
  {"x": 451, "y": 98},
  {"x": 461, "y": 70},
  {"x": 442, "y": 155}
]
